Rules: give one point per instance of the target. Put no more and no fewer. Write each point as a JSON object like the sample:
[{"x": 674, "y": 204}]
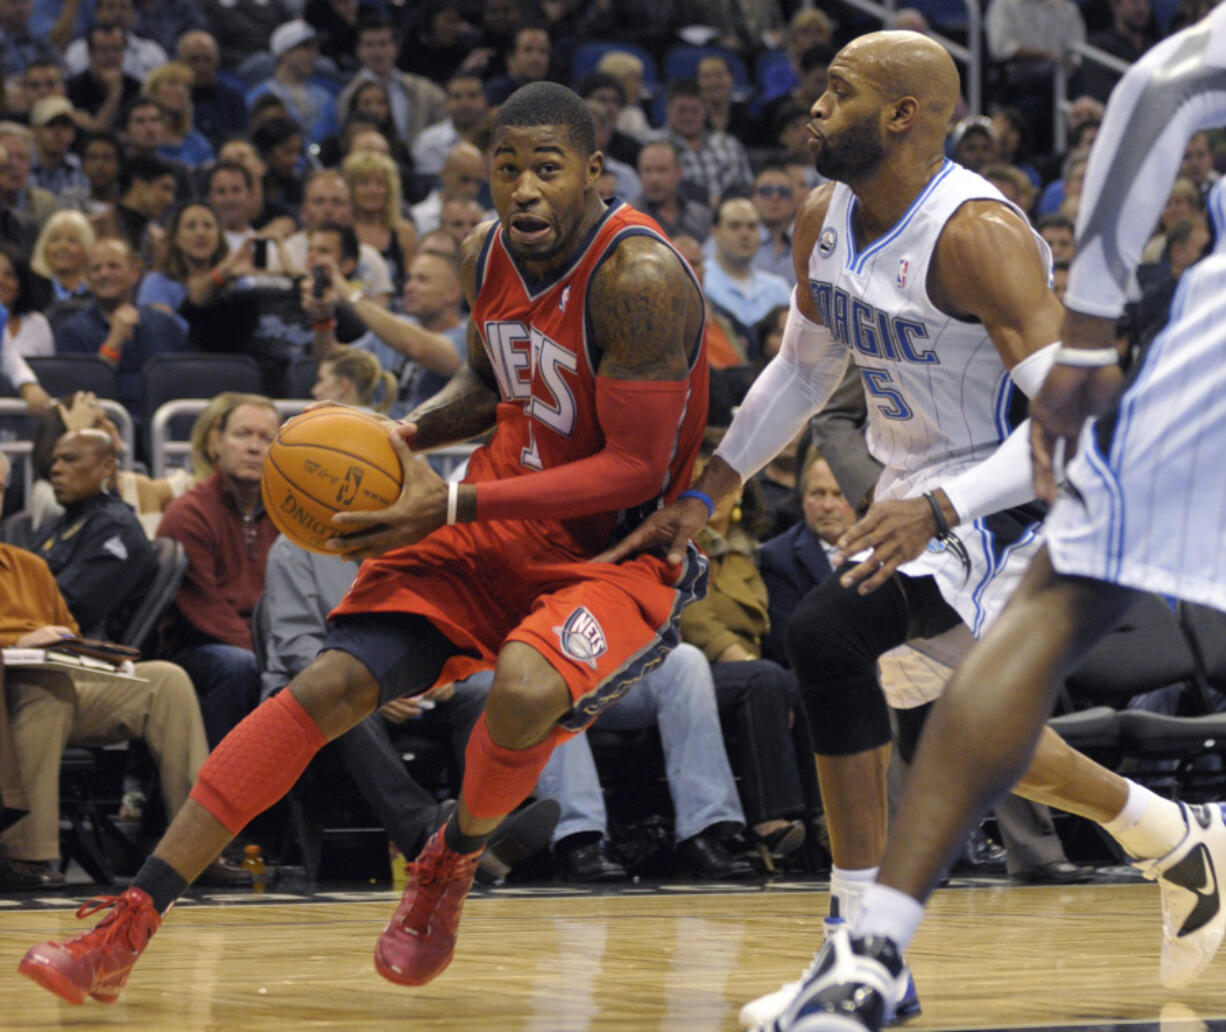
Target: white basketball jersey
[{"x": 938, "y": 392}]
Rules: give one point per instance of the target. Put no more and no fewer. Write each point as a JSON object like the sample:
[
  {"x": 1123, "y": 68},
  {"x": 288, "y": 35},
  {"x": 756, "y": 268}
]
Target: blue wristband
[{"x": 702, "y": 497}]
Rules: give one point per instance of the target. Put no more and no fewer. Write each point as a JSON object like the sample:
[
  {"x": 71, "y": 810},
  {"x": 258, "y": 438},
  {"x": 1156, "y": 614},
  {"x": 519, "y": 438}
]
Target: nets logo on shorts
[{"x": 582, "y": 637}]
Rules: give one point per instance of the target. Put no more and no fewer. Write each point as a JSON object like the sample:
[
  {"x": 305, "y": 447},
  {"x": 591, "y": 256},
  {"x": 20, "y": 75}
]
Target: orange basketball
[{"x": 326, "y": 461}]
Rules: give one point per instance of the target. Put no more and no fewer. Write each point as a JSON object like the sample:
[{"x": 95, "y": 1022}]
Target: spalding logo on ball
[{"x": 326, "y": 461}]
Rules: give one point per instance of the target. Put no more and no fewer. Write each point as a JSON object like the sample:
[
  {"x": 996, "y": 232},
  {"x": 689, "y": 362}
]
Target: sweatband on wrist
[
  {"x": 324, "y": 326},
  {"x": 108, "y": 352},
  {"x": 1087, "y": 358},
  {"x": 702, "y": 496},
  {"x": 453, "y": 501},
  {"x": 218, "y": 277},
  {"x": 1032, "y": 370}
]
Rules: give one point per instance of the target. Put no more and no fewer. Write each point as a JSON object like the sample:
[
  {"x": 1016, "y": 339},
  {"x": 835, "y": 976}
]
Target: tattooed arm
[
  {"x": 646, "y": 314},
  {"x": 465, "y": 408}
]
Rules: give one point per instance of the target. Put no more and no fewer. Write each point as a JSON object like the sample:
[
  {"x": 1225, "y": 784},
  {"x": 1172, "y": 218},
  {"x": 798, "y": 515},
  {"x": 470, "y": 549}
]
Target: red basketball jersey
[{"x": 539, "y": 340}]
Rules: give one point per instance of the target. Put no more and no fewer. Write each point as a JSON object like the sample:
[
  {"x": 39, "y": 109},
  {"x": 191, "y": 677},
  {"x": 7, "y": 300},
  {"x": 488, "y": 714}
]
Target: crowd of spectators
[{"x": 291, "y": 181}]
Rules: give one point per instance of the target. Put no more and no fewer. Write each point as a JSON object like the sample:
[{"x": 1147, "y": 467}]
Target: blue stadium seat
[{"x": 774, "y": 74}]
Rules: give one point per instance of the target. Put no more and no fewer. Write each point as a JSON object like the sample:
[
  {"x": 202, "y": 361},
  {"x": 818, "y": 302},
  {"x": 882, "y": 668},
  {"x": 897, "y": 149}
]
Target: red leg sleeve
[
  {"x": 496, "y": 780},
  {"x": 258, "y": 762}
]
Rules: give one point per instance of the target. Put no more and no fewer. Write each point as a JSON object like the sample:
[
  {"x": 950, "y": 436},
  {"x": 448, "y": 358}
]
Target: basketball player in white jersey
[{"x": 937, "y": 289}]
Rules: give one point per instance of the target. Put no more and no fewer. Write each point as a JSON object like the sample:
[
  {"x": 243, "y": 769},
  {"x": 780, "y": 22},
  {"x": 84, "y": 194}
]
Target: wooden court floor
[{"x": 988, "y": 957}]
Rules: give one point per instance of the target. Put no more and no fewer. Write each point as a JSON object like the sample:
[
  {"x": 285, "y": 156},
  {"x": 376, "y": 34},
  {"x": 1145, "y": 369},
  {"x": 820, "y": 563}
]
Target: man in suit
[{"x": 796, "y": 561}]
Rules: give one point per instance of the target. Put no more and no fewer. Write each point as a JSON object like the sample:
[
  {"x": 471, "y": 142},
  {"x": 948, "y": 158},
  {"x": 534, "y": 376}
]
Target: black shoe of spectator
[
  {"x": 979, "y": 855},
  {"x": 525, "y": 832},
  {"x": 22, "y": 875},
  {"x": 584, "y": 859},
  {"x": 1057, "y": 872},
  {"x": 705, "y": 856}
]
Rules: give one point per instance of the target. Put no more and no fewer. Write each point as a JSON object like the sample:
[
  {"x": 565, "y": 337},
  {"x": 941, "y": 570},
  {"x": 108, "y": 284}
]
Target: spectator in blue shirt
[{"x": 296, "y": 48}]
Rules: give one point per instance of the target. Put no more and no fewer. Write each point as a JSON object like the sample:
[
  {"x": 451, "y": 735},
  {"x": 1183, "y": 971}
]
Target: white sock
[
  {"x": 846, "y": 889},
  {"x": 889, "y": 913},
  {"x": 1148, "y": 826}
]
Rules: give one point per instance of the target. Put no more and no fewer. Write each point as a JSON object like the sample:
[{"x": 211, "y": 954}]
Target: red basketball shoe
[
  {"x": 96, "y": 963},
  {"x": 419, "y": 940}
]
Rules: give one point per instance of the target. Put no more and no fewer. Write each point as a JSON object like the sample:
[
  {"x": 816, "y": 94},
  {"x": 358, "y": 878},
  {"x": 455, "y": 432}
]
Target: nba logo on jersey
[
  {"x": 564, "y": 298},
  {"x": 903, "y": 266},
  {"x": 826, "y": 242},
  {"x": 581, "y": 637}
]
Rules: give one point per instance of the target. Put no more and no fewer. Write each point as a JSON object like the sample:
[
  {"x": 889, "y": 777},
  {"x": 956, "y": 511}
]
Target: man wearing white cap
[
  {"x": 53, "y": 166},
  {"x": 295, "y": 46}
]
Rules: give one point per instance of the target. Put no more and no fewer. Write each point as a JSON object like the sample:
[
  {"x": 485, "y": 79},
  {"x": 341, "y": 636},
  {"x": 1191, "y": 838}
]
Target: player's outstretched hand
[
  {"x": 420, "y": 510},
  {"x": 895, "y": 532},
  {"x": 1070, "y": 395},
  {"x": 666, "y": 530}
]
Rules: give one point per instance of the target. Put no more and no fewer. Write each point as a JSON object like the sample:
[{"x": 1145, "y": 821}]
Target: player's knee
[
  {"x": 527, "y": 698},
  {"x": 336, "y": 691},
  {"x": 823, "y": 651}
]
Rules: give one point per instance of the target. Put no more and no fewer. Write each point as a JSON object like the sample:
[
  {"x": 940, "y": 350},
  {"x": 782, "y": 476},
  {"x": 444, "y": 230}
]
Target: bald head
[
  {"x": 900, "y": 63},
  {"x": 82, "y": 465}
]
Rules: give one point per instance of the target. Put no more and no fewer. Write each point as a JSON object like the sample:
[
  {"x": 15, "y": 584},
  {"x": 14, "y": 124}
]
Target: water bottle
[{"x": 253, "y": 862}]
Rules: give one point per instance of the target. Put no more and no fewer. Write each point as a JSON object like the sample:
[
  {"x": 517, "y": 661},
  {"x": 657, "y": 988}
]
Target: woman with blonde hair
[
  {"x": 352, "y": 377},
  {"x": 374, "y": 185},
  {"x": 61, "y": 254},
  {"x": 171, "y": 86},
  {"x": 627, "y": 69}
]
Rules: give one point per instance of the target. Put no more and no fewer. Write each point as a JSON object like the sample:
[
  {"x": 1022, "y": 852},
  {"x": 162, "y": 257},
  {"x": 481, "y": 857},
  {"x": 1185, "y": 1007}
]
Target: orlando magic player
[{"x": 937, "y": 289}]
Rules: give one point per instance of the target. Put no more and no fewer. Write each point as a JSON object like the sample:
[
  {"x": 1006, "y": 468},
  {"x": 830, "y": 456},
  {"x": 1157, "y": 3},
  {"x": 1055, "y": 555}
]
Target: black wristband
[{"x": 937, "y": 515}]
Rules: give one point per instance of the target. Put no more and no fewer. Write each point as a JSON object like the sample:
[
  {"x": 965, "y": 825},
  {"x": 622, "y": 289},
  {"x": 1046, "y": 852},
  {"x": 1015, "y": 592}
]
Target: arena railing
[
  {"x": 167, "y": 451},
  {"x": 1059, "y": 89},
  {"x": 971, "y": 55},
  {"x": 19, "y": 451}
]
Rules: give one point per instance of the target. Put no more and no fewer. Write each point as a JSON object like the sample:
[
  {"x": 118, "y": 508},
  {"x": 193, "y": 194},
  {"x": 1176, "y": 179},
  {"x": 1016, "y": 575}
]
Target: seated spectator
[
  {"x": 414, "y": 102},
  {"x": 103, "y": 88},
  {"x": 1013, "y": 138},
  {"x": 372, "y": 115},
  {"x": 25, "y": 330},
  {"x": 194, "y": 246},
  {"x": 326, "y": 198},
  {"x": 140, "y": 56},
  {"x": 775, "y": 198},
  {"x": 755, "y": 695},
  {"x": 81, "y": 411},
  {"x": 423, "y": 350},
  {"x": 798, "y": 560},
  {"x": 660, "y": 173},
  {"x": 296, "y": 48},
  {"x": 466, "y": 109},
  {"x": 808, "y": 28},
  {"x": 626, "y": 180},
  {"x": 1057, "y": 230},
  {"x": 971, "y": 144},
  {"x": 712, "y": 162},
  {"x": 301, "y": 589},
  {"x": 53, "y": 165},
  {"x": 1066, "y": 188},
  {"x": 527, "y": 60},
  {"x": 732, "y": 280},
  {"x": 101, "y": 160},
  {"x": 1198, "y": 165},
  {"x": 336, "y": 21},
  {"x": 463, "y": 176},
  {"x": 19, "y": 46},
  {"x": 626, "y": 69},
  {"x": 218, "y": 109},
  {"x": 460, "y": 216},
  {"x": 43, "y": 77},
  {"x": 222, "y": 525},
  {"x": 31, "y": 204},
  {"x": 791, "y": 144},
  {"x": 228, "y": 187},
  {"x": 1186, "y": 241},
  {"x": 352, "y": 377},
  {"x": 374, "y": 189},
  {"x": 724, "y": 114},
  {"x": 48, "y": 710},
  {"x": 143, "y": 131},
  {"x": 810, "y": 83},
  {"x": 171, "y": 86},
  {"x": 120, "y": 333},
  {"x": 146, "y": 191},
  {"x": 1184, "y": 202},
  {"x": 1132, "y": 32},
  {"x": 279, "y": 142},
  {"x": 1012, "y": 182},
  {"x": 271, "y": 218},
  {"x": 678, "y": 697}
]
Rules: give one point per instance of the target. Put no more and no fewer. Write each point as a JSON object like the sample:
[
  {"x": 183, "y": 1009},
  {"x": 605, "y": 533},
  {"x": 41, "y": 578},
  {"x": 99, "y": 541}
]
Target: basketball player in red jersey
[{"x": 585, "y": 357}]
